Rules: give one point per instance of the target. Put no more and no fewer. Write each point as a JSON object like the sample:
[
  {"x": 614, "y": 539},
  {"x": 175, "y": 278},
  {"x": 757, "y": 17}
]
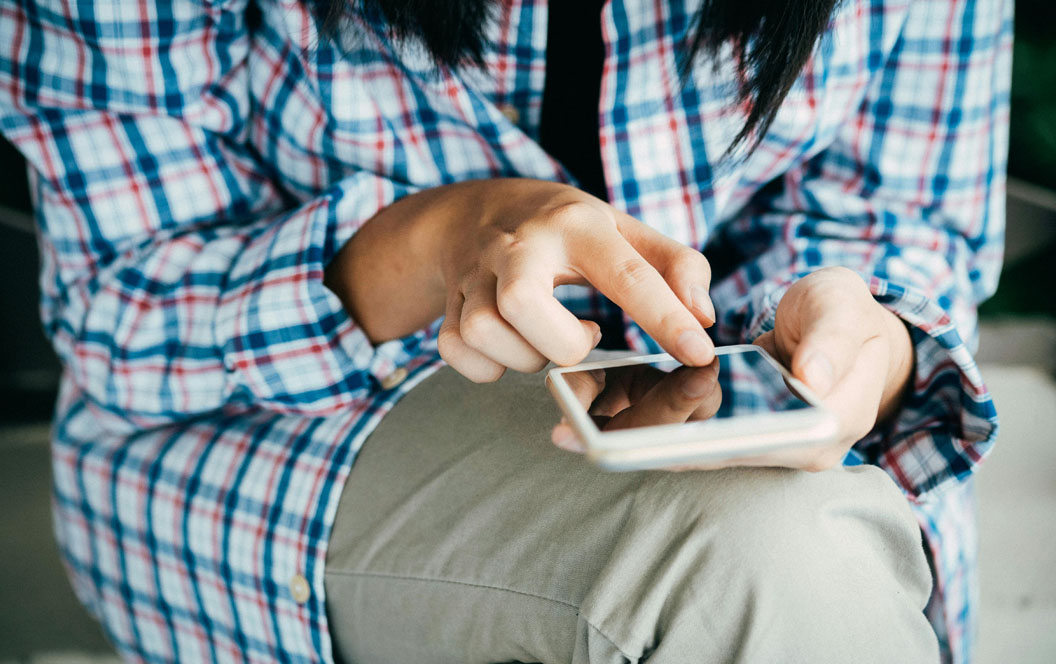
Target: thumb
[
  {"x": 827, "y": 351},
  {"x": 822, "y": 323}
]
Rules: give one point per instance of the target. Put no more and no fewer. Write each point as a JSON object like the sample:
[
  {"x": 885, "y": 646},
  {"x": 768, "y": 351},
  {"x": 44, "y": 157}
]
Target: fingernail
[
  {"x": 694, "y": 347},
  {"x": 598, "y": 375},
  {"x": 702, "y": 301},
  {"x": 818, "y": 373},
  {"x": 597, "y": 338},
  {"x": 698, "y": 384}
]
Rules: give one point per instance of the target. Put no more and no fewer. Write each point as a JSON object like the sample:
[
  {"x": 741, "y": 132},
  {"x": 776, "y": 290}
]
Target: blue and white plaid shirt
[{"x": 194, "y": 171}]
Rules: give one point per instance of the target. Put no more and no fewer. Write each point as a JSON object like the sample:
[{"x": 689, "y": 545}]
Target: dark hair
[{"x": 772, "y": 40}]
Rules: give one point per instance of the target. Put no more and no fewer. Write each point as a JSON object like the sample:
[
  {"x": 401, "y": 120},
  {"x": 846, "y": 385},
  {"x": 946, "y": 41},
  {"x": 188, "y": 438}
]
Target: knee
[
  {"x": 826, "y": 528},
  {"x": 759, "y": 558},
  {"x": 772, "y": 522}
]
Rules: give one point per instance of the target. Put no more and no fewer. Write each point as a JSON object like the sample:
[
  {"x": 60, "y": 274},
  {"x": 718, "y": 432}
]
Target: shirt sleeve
[
  {"x": 911, "y": 196},
  {"x": 178, "y": 276}
]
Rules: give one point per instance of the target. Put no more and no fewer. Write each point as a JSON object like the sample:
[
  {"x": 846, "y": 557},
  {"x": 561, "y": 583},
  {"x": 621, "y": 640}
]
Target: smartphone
[{"x": 642, "y": 412}]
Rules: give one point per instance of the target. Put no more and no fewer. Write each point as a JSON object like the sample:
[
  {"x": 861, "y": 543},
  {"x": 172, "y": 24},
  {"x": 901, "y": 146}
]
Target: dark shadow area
[
  {"x": 29, "y": 372},
  {"x": 39, "y": 612},
  {"x": 1032, "y": 155}
]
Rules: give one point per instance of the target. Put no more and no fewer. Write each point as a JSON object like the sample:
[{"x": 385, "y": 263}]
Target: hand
[
  {"x": 488, "y": 255},
  {"x": 640, "y": 395},
  {"x": 852, "y": 352},
  {"x": 501, "y": 268}
]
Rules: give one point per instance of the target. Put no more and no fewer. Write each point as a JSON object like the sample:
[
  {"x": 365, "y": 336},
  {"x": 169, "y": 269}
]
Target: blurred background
[{"x": 41, "y": 622}]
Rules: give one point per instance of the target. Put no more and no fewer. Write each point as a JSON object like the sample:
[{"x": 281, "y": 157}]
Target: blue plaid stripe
[{"x": 193, "y": 178}]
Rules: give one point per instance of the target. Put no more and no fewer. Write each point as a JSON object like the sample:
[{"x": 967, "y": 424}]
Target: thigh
[{"x": 464, "y": 535}]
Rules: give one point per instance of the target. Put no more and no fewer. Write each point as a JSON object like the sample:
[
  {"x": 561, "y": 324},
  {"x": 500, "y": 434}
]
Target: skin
[
  {"x": 644, "y": 396},
  {"x": 487, "y": 255}
]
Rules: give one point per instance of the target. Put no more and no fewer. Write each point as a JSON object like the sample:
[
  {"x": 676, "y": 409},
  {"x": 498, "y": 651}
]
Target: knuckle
[
  {"x": 837, "y": 272},
  {"x": 567, "y": 353},
  {"x": 458, "y": 358},
  {"x": 449, "y": 343},
  {"x": 514, "y": 298},
  {"x": 693, "y": 265},
  {"x": 574, "y": 212},
  {"x": 672, "y": 320},
  {"x": 513, "y": 246},
  {"x": 629, "y": 275},
  {"x": 570, "y": 357},
  {"x": 837, "y": 279},
  {"x": 477, "y": 327},
  {"x": 471, "y": 279},
  {"x": 482, "y": 375},
  {"x": 534, "y": 365}
]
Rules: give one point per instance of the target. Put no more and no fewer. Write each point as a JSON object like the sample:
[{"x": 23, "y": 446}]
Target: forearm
[
  {"x": 386, "y": 274},
  {"x": 900, "y": 369}
]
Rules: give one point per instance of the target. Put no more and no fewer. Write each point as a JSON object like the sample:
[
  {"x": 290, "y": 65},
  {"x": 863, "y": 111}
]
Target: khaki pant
[{"x": 464, "y": 536}]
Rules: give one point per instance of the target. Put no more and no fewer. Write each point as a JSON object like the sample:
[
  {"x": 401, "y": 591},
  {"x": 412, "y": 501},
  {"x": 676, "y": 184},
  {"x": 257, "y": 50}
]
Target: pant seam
[{"x": 470, "y": 584}]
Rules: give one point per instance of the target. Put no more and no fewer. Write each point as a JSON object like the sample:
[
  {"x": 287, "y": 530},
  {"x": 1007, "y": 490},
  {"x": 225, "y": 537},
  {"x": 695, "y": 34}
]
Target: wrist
[
  {"x": 387, "y": 275},
  {"x": 901, "y": 364}
]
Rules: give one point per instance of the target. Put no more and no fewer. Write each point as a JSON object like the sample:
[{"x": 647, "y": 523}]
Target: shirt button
[
  {"x": 394, "y": 378},
  {"x": 299, "y": 589},
  {"x": 511, "y": 113}
]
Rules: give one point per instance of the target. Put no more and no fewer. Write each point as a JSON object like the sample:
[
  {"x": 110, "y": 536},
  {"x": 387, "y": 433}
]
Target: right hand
[{"x": 511, "y": 242}]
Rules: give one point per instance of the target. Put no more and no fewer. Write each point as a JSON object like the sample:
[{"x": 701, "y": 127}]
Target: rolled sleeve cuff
[{"x": 947, "y": 423}]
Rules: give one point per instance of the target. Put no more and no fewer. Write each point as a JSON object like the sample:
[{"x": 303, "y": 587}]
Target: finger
[
  {"x": 525, "y": 299},
  {"x": 611, "y": 264},
  {"x": 465, "y": 360},
  {"x": 767, "y": 342},
  {"x": 672, "y": 400},
  {"x": 625, "y": 386},
  {"x": 564, "y": 436},
  {"x": 686, "y": 270},
  {"x": 585, "y": 385},
  {"x": 711, "y": 405},
  {"x": 841, "y": 358},
  {"x": 822, "y": 322},
  {"x": 483, "y": 328},
  {"x": 855, "y": 398},
  {"x": 843, "y": 351}
]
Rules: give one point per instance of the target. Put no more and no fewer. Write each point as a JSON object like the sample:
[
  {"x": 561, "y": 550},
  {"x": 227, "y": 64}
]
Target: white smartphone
[{"x": 636, "y": 413}]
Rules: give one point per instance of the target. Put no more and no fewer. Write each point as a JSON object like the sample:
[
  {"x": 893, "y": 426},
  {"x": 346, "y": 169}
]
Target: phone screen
[{"x": 736, "y": 384}]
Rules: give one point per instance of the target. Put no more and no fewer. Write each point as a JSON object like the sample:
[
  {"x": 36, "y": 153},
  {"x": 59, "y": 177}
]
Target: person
[{"x": 279, "y": 236}]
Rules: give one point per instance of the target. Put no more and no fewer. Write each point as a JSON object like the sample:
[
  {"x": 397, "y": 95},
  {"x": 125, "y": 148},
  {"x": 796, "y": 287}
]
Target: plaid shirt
[{"x": 196, "y": 164}]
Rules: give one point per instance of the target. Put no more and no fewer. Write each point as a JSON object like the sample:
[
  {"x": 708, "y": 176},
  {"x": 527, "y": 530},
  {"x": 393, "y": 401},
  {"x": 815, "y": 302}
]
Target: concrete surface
[
  {"x": 1017, "y": 498},
  {"x": 41, "y": 623}
]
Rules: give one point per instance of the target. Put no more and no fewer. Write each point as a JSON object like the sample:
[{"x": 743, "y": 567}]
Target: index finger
[{"x": 610, "y": 263}]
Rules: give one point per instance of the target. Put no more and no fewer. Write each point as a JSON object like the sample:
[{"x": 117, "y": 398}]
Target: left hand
[{"x": 853, "y": 353}]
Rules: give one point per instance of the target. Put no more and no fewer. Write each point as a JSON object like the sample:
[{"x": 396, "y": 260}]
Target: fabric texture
[
  {"x": 463, "y": 536},
  {"x": 196, "y": 164}
]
